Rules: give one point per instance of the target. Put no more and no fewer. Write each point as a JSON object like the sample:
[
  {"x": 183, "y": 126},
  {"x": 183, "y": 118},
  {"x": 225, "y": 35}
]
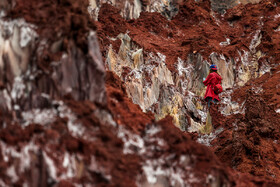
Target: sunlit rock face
[
  {"x": 151, "y": 85},
  {"x": 59, "y": 127},
  {"x": 143, "y": 78},
  {"x": 174, "y": 87},
  {"x": 132, "y": 9}
]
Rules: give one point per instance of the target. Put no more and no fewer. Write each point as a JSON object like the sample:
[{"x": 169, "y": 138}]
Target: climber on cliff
[{"x": 213, "y": 83}]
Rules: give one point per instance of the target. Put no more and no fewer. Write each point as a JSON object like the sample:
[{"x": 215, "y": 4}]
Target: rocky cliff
[{"x": 110, "y": 93}]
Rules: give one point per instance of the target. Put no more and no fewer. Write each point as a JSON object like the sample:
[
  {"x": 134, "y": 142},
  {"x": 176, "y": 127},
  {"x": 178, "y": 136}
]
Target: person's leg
[
  {"x": 209, "y": 99},
  {"x": 215, "y": 101}
]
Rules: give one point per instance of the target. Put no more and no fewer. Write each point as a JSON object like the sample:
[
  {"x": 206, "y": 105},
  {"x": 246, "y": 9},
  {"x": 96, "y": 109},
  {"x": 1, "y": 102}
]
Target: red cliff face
[{"x": 90, "y": 96}]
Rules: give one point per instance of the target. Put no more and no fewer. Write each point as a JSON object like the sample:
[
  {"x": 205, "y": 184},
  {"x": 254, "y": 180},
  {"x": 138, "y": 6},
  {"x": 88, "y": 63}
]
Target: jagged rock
[
  {"x": 225, "y": 70},
  {"x": 132, "y": 9},
  {"x": 78, "y": 74},
  {"x": 17, "y": 42},
  {"x": 146, "y": 77},
  {"x": 59, "y": 127}
]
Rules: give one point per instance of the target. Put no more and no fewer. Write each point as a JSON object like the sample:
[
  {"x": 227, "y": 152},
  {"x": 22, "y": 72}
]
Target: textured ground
[
  {"x": 195, "y": 28},
  {"x": 249, "y": 141},
  {"x": 67, "y": 121}
]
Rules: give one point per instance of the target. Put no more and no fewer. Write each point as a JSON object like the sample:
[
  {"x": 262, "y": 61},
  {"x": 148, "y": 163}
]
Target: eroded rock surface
[
  {"x": 243, "y": 52},
  {"x": 239, "y": 51},
  {"x": 250, "y": 140},
  {"x": 131, "y": 9},
  {"x": 93, "y": 96}
]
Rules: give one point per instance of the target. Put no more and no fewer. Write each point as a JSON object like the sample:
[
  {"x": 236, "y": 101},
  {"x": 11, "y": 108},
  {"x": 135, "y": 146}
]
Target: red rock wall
[{"x": 67, "y": 121}]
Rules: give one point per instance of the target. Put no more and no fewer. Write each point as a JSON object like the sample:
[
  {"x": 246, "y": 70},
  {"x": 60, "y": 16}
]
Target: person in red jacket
[{"x": 212, "y": 79}]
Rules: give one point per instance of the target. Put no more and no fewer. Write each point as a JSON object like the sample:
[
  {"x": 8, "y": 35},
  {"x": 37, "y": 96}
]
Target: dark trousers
[{"x": 209, "y": 100}]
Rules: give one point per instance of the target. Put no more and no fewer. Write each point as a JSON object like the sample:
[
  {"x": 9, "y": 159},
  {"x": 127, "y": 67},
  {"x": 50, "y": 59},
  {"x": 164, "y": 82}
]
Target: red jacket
[{"x": 211, "y": 80}]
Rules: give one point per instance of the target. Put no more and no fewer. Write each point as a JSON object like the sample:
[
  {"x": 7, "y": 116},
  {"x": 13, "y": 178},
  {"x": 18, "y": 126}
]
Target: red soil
[
  {"x": 195, "y": 29},
  {"x": 250, "y": 141},
  {"x": 250, "y": 147}
]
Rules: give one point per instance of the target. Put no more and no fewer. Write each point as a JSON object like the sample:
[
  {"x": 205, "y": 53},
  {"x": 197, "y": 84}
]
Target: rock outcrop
[
  {"x": 94, "y": 95},
  {"x": 131, "y": 9},
  {"x": 175, "y": 89}
]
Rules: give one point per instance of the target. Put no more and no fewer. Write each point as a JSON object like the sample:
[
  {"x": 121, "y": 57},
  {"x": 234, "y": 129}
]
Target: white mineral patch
[
  {"x": 277, "y": 16},
  {"x": 161, "y": 56},
  {"x": 278, "y": 110},
  {"x": 75, "y": 128},
  {"x": 154, "y": 142},
  {"x": 203, "y": 115},
  {"x": 43, "y": 117},
  {"x": 131, "y": 141},
  {"x": 26, "y": 35},
  {"x": 50, "y": 165},
  {"x": 105, "y": 117},
  {"x": 70, "y": 164},
  {"x": 7, "y": 99},
  {"x": 2, "y": 13},
  {"x": 264, "y": 69},
  {"x": 2, "y": 183},
  {"x": 93, "y": 9},
  {"x": 244, "y": 58},
  {"x": 18, "y": 88},
  {"x": 257, "y": 90},
  {"x": 230, "y": 107},
  {"x": 45, "y": 95},
  {"x": 136, "y": 73},
  {"x": 183, "y": 70},
  {"x": 222, "y": 56},
  {"x": 227, "y": 42},
  {"x": 217, "y": 21},
  {"x": 153, "y": 130},
  {"x": 207, "y": 139},
  {"x": 150, "y": 172},
  {"x": 16, "y": 107},
  {"x": 82, "y": 185},
  {"x": 153, "y": 169},
  {"x": 236, "y": 108},
  {"x": 255, "y": 41},
  {"x": 66, "y": 160},
  {"x": 11, "y": 172},
  {"x": 184, "y": 159},
  {"x": 96, "y": 167},
  {"x": 10, "y": 153}
]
